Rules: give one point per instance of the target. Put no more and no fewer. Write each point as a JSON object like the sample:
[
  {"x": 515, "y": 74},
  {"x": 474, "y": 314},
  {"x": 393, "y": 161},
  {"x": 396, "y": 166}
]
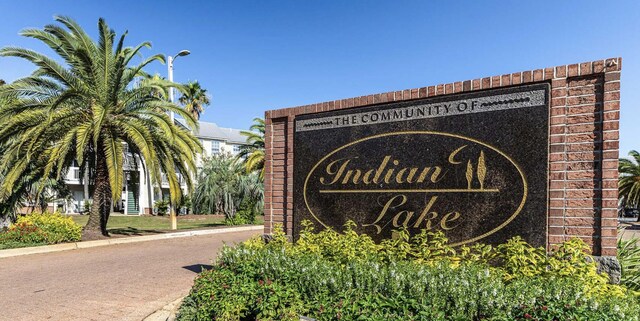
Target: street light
[
  {"x": 174, "y": 218},
  {"x": 170, "y": 60}
]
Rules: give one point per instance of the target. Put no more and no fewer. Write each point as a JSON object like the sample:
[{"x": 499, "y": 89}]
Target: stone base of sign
[
  {"x": 584, "y": 113},
  {"x": 611, "y": 266}
]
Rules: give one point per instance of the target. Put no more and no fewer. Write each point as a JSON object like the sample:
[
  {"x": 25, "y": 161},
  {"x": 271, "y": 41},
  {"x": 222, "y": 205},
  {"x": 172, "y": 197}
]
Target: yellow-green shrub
[
  {"x": 514, "y": 259},
  {"x": 53, "y": 228},
  {"x": 346, "y": 276}
]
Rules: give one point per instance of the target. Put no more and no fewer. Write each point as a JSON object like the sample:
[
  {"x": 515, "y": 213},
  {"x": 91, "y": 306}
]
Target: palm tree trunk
[
  {"x": 101, "y": 206},
  {"x": 85, "y": 181}
]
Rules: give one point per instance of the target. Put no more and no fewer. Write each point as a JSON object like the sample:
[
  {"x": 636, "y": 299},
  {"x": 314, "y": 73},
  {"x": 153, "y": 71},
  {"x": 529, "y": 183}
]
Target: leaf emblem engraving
[
  {"x": 482, "y": 170},
  {"x": 469, "y": 174}
]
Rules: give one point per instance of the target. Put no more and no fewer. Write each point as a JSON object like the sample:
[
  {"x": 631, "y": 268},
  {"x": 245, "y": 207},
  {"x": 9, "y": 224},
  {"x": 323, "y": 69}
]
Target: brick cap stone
[{"x": 608, "y": 65}]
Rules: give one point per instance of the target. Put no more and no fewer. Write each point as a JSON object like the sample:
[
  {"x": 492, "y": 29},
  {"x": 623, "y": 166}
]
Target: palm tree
[
  {"x": 32, "y": 190},
  {"x": 86, "y": 109},
  {"x": 194, "y": 98},
  {"x": 223, "y": 186},
  {"x": 253, "y": 151},
  {"x": 629, "y": 180}
]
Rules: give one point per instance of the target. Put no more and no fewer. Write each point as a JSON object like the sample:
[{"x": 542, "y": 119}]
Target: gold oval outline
[{"x": 501, "y": 226}]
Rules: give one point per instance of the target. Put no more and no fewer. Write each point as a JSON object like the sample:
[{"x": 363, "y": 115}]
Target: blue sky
[{"x": 259, "y": 55}]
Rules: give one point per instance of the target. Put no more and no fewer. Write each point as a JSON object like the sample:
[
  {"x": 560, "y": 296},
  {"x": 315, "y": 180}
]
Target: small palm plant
[
  {"x": 223, "y": 186},
  {"x": 88, "y": 105},
  {"x": 629, "y": 257},
  {"x": 253, "y": 152},
  {"x": 629, "y": 180}
]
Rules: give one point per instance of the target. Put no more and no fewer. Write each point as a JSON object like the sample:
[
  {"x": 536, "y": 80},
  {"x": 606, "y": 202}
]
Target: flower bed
[{"x": 346, "y": 276}]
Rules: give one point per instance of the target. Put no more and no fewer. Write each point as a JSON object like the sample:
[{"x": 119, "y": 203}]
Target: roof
[{"x": 213, "y": 131}]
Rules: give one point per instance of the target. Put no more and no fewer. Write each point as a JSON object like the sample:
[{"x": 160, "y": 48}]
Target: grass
[{"x": 141, "y": 225}]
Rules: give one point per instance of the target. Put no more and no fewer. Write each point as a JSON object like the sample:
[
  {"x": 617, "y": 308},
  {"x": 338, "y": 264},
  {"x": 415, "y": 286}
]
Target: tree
[
  {"x": 629, "y": 180},
  {"x": 223, "y": 186},
  {"x": 32, "y": 189},
  {"x": 253, "y": 151},
  {"x": 88, "y": 109},
  {"x": 194, "y": 98}
]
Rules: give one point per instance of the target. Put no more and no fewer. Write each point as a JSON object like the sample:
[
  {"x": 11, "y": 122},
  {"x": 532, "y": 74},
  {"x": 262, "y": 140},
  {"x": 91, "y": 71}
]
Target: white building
[{"x": 138, "y": 196}]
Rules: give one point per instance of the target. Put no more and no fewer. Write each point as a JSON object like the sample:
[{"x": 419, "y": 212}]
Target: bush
[
  {"x": 42, "y": 228},
  {"x": 86, "y": 205},
  {"x": 629, "y": 257},
  {"x": 162, "y": 207},
  {"x": 347, "y": 276},
  {"x": 246, "y": 215}
]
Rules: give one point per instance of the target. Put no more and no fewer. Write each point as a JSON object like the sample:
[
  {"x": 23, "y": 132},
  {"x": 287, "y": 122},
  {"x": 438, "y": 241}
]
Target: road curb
[
  {"x": 123, "y": 240},
  {"x": 167, "y": 313}
]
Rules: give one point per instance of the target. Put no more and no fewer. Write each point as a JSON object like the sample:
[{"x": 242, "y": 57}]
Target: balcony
[
  {"x": 73, "y": 176},
  {"x": 165, "y": 181}
]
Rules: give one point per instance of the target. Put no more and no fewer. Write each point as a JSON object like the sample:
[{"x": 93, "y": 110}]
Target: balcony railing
[
  {"x": 165, "y": 180},
  {"x": 73, "y": 176}
]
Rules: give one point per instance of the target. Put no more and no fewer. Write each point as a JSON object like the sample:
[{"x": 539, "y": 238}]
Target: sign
[{"x": 471, "y": 165}]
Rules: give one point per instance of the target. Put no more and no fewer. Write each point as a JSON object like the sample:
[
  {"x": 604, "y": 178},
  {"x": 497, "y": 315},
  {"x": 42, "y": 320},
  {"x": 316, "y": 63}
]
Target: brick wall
[{"x": 583, "y": 147}]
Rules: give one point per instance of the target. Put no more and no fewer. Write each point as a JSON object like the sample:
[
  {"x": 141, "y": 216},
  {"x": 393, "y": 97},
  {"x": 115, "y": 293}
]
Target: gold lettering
[
  {"x": 347, "y": 176},
  {"x": 367, "y": 177},
  {"x": 435, "y": 175},
  {"x": 387, "y": 172},
  {"x": 423, "y": 175},
  {"x": 412, "y": 173},
  {"x": 453, "y": 155},
  {"x": 337, "y": 172},
  {"x": 376, "y": 178},
  {"x": 450, "y": 217},
  {"x": 408, "y": 216},
  {"x": 356, "y": 177},
  {"x": 390, "y": 204},
  {"x": 424, "y": 213},
  {"x": 401, "y": 172},
  {"x": 387, "y": 178}
]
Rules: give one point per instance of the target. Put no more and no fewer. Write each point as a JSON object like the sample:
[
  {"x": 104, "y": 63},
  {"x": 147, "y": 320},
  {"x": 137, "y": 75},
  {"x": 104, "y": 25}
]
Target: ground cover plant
[
  {"x": 346, "y": 276},
  {"x": 40, "y": 229}
]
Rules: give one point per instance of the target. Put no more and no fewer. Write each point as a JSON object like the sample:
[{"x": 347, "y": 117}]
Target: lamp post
[{"x": 170, "y": 59}]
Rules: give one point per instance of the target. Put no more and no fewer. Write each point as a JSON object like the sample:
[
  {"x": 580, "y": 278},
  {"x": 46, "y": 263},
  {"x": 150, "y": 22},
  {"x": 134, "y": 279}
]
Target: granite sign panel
[{"x": 471, "y": 165}]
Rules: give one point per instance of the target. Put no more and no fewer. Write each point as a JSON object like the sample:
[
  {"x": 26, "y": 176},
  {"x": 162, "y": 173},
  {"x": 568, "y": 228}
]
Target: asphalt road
[{"x": 118, "y": 282}]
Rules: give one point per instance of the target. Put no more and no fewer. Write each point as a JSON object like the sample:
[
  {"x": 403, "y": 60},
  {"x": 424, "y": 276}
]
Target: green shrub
[
  {"x": 347, "y": 276},
  {"x": 22, "y": 232},
  {"x": 162, "y": 207},
  {"x": 86, "y": 205},
  {"x": 236, "y": 220},
  {"x": 39, "y": 228}
]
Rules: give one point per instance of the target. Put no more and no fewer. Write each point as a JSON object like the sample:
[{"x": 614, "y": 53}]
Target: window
[
  {"x": 215, "y": 147},
  {"x": 236, "y": 149}
]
